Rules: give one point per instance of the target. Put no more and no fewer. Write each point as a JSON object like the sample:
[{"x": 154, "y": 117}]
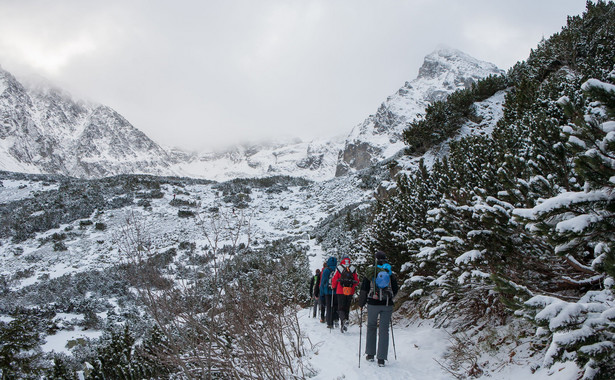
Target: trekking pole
[
  {"x": 360, "y": 331},
  {"x": 393, "y": 336}
]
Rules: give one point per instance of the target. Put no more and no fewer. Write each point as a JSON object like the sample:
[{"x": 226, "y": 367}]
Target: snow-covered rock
[{"x": 380, "y": 136}]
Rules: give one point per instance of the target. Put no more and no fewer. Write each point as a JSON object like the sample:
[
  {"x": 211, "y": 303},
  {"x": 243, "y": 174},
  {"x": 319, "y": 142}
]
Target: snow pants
[
  {"x": 331, "y": 309},
  {"x": 374, "y": 312},
  {"x": 343, "y": 306}
]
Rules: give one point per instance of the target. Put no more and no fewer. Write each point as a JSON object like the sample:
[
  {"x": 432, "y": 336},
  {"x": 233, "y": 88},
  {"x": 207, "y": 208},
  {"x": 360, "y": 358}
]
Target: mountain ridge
[
  {"x": 379, "y": 136},
  {"x": 45, "y": 130}
]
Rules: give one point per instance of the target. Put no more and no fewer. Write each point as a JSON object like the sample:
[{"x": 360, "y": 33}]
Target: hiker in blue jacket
[
  {"x": 378, "y": 289},
  {"x": 325, "y": 288}
]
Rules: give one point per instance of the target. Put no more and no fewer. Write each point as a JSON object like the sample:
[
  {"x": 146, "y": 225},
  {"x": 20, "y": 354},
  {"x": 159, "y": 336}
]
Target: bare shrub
[{"x": 221, "y": 325}]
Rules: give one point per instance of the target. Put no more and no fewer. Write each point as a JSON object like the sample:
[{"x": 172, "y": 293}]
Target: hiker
[
  {"x": 344, "y": 283},
  {"x": 325, "y": 288},
  {"x": 315, "y": 291},
  {"x": 378, "y": 289},
  {"x": 322, "y": 299}
]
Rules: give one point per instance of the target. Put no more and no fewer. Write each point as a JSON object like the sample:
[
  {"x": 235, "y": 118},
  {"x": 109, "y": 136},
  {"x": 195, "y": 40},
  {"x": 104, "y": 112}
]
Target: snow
[
  {"x": 598, "y": 84},
  {"x": 89, "y": 249},
  {"x": 563, "y": 200},
  {"x": 608, "y": 126},
  {"x": 469, "y": 256},
  {"x": 419, "y": 347},
  {"x": 14, "y": 190},
  {"x": 577, "y": 224},
  {"x": 336, "y": 356},
  {"x": 58, "y": 341}
]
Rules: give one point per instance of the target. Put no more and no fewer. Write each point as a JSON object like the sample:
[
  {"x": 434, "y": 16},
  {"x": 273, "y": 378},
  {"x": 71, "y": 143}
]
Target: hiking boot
[
  {"x": 336, "y": 324},
  {"x": 369, "y": 358},
  {"x": 322, "y": 320},
  {"x": 343, "y": 327},
  {"x": 329, "y": 326},
  {"x": 380, "y": 362}
]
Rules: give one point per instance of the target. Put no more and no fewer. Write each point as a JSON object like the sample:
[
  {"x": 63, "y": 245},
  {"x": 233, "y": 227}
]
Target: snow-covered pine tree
[{"x": 581, "y": 225}]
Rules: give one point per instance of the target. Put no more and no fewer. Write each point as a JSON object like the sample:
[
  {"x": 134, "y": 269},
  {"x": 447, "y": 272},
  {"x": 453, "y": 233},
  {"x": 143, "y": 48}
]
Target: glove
[{"x": 362, "y": 299}]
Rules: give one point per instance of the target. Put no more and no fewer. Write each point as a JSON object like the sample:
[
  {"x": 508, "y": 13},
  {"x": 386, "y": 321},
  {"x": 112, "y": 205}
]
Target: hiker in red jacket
[{"x": 344, "y": 281}]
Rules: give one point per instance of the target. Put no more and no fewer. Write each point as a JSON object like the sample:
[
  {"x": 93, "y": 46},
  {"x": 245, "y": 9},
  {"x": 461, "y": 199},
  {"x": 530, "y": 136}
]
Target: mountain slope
[
  {"x": 44, "y": 130},
  {"x": 378, "y": 137}
]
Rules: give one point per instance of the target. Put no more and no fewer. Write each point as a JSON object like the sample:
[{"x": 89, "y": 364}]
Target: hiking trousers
[
  {"x": 384, "y": 313},
  {"x": 343, "y": 303},
  {"x": 332, "y": 315}
]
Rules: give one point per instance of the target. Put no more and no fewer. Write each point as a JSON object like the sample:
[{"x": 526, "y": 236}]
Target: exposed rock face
[{"x": 379, "y": 136}]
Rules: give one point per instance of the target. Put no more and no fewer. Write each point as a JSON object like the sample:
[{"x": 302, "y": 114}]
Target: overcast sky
[{"x": 198, "y": 74}]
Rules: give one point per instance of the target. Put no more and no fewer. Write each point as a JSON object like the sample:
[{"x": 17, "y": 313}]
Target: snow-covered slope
[
  {"x": 45, "y": 130},
  {"x": 273, "y": 213},
  {"x": 315, "y": 160},
  {"x": 379, "y": 136}
]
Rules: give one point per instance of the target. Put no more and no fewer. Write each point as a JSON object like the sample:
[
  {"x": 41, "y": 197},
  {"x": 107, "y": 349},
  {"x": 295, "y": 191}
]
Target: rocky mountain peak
[
  {"x": 443, "y": 71},
  {"x": 447, "y": 60}
]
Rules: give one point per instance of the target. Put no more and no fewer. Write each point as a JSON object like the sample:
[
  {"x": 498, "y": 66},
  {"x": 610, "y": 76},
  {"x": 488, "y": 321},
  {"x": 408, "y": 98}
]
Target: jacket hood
[{"x": 332, "y": 262}]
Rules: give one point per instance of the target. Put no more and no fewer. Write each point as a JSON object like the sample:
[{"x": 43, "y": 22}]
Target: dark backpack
[{"x": 346, "y": 278}]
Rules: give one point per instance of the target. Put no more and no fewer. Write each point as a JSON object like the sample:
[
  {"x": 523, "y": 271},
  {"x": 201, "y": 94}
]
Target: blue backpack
[
  {"x": 383, "y": 279},
  {"x": 380, "y": 288}
]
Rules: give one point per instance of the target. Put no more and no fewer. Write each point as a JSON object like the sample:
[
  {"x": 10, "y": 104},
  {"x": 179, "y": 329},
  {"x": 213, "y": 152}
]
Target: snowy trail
[{"x": 336, "y": 355}]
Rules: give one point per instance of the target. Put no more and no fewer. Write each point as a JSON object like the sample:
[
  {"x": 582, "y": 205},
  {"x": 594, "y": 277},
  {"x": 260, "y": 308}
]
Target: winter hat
[
  {"x": 345, "y": 260},
  {"x": 381, "y": 257},
  {"x": 317, "y": 271}
]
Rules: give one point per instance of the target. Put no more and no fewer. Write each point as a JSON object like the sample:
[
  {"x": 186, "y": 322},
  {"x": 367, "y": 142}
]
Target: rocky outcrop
[{"x": 379, "y": 136}]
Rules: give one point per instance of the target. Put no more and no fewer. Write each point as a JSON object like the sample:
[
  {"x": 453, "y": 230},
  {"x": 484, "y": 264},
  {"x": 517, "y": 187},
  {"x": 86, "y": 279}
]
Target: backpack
[
  {"x": 346, "y": 280},
  {"x": 380, "y": 288},
  {"x": 331, "y": 274}
]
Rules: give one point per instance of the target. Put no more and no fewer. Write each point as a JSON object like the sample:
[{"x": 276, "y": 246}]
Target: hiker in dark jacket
[
  {"x": 378, "y": 289},
  {"x": 344, "y": 282},
  {"x": 315, "y": 291},
  {"x": 325, "y": 288}
]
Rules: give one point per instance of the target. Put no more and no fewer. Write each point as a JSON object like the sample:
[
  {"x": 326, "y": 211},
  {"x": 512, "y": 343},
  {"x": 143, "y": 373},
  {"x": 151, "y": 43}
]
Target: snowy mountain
[
  {"x": 46, "y": 130},
  {"x": 379, "y": 136}
]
